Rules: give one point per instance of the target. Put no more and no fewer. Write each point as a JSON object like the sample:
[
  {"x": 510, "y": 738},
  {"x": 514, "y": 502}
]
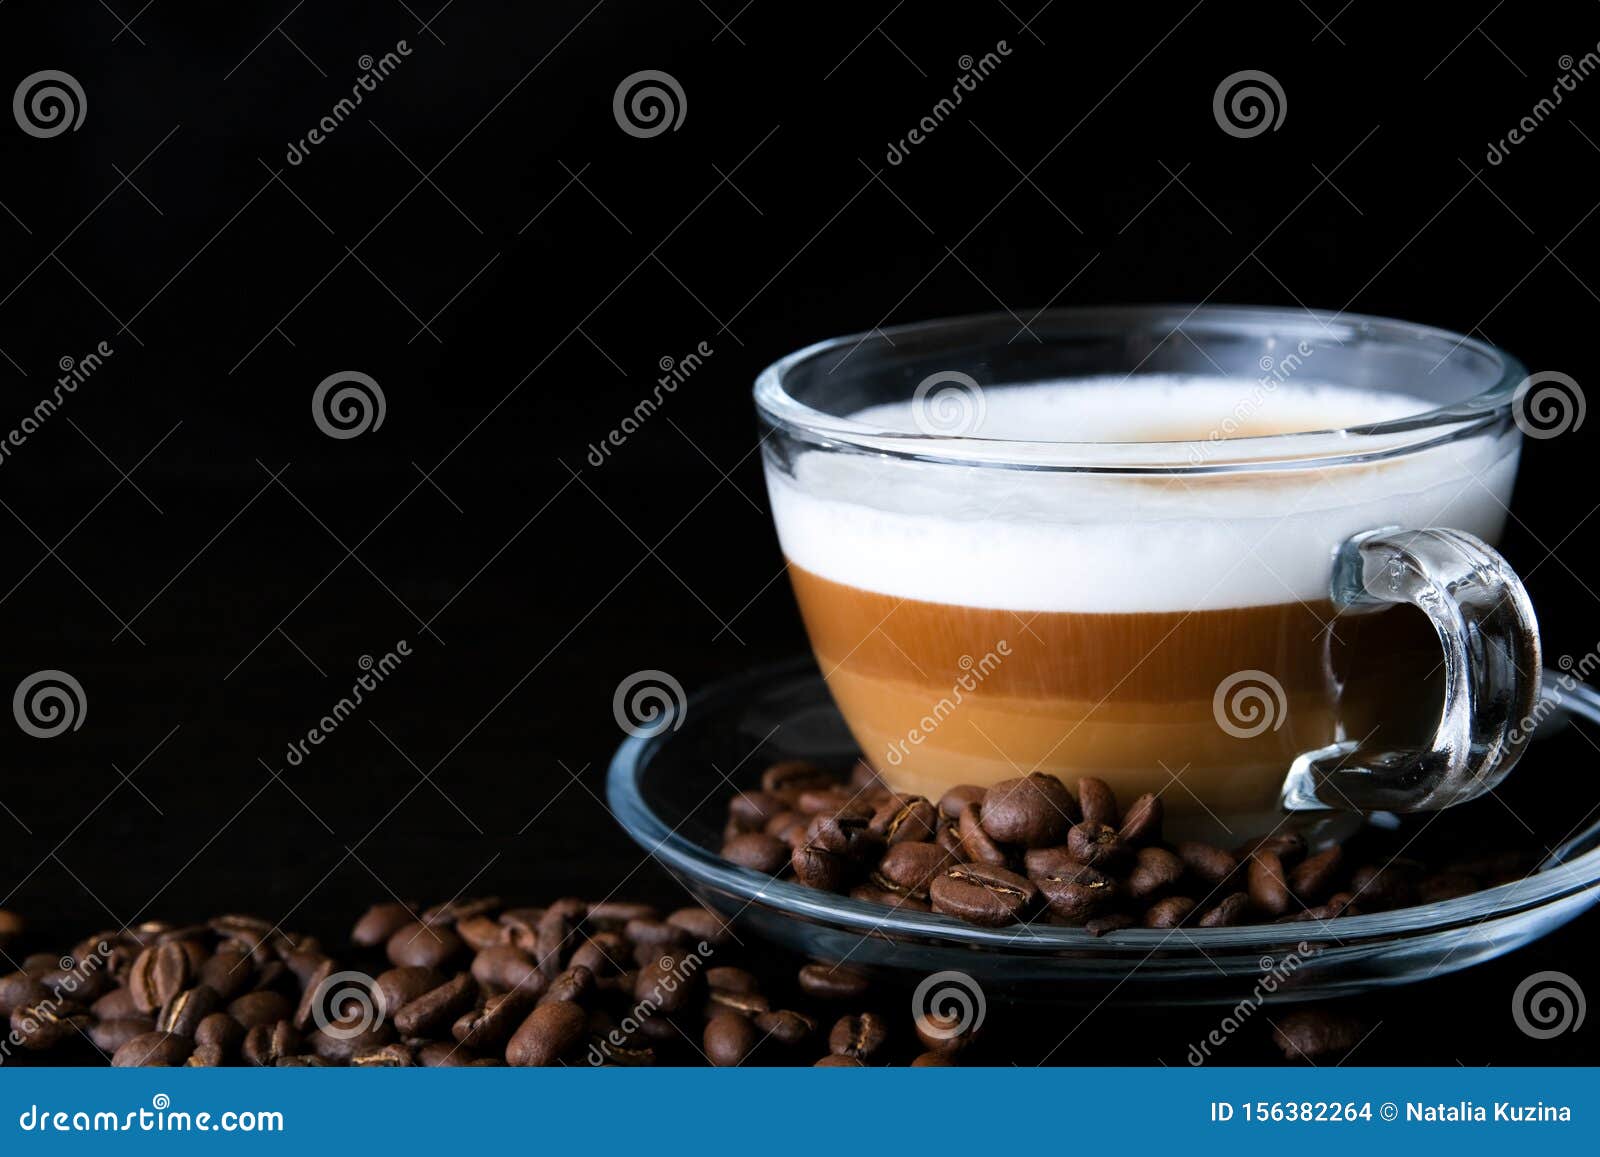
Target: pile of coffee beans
[
  {"x": 1030, "y": 849},
  {"x": 471, "y": 982}
]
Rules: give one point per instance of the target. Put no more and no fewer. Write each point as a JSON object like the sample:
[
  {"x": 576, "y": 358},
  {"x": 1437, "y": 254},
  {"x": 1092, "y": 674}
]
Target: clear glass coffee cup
[{"x": 1241, "y": 558}]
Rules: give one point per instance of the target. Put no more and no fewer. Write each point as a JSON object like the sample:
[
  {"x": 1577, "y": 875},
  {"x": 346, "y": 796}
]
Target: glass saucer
[{"x": 669, "y": 790}]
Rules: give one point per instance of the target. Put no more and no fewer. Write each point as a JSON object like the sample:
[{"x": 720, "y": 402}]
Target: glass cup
[{"x": 1240, "y": 558}]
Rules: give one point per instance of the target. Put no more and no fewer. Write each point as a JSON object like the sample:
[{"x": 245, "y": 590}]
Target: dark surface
[{"x": 556, "y": 260}]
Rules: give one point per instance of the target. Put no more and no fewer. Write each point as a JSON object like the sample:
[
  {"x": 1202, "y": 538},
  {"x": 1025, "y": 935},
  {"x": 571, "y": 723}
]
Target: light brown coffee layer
[{"x": 939, "y": 694}]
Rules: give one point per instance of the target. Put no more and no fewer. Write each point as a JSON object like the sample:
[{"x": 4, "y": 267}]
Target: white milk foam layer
[{"x": 1052, "y": 541}]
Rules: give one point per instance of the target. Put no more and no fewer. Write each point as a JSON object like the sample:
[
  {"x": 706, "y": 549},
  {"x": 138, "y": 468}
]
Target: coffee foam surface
[{"x": 1053, "y": 541}]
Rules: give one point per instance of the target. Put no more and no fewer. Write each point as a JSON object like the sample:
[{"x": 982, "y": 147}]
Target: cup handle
[{"x": 1490, "y": 638}]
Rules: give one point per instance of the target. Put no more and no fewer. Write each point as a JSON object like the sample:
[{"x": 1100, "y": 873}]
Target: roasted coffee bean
[
  {"x": 905, "y": 817},
  {"x": 444, "y": 1055},
  {"x": 219, "y": 1030},
  {"x": 114, "y": 1005},
  {"x": 554, "y": 932},
  {"x": 1289, "y": 847},
  {"x": 832, "y": 800},
  {"x": 1344, "y": 903},
  {"x": 380, "y": 922},
  {"x": 667, "y": 983},
  {"x": 346, "y": 1037},
  {"x": 861, "y": 1036},
  {"x": 265, "y": 1044},
  {"x": 255, "y": 1008},
  {"x": 787, "y": 826},
  {"x": 398, "y": 987},
  {"x": 931, "y": 1059},
  {"x": 1313, "y": 877},
  {"x": 312, "y": 995},
  {"x": 110, "y": 1035},
  {"x": 953, "y": 802},
  {"x": 1098, "y": 802},
  {"x": 834, "y": 1061},
  {"x": 390, "y": 1056},
  {"x": 491, "y": 1026},
  {"x": 943, "y": 1033},
  {"x": 152, "y": 1050},
  {"x": 785, "y": 1026},
  {"x": 159, "y": 973},
  {"x": 422, "y": 945},
  {"x": 482, "y": 931},
  {"x": 729, "y": 978},
  {"x": 522, "y": 927},
  {"x": 792, "y": 776},
  {"x": 743, "y": 1003},
  {"x": 183, "y": 1013},
  {"x": 433, "y": 1012},
  {"x": 1111, "y": 922},
  {"x": 82, "y": 981},
  {"x": 1209, "y": 864},
  {"x": 1269, "y": 891},
  {"x": 576, "y": 985},
  {"x": 702, "y": 925},
  {"x": 977, "y": 845},
  {"x": 1316, "y": 1034},
  {"x": 911, "y": 867},
  {"x": 605, "y": 954},
  {"x": 1034, "y": 811},
  {"x": 889, "y": 898},
  {"x": 272, "y": 974},
  {"x": 1076, "y": 891},
  {"x": 205, "y": 1057},
  {"x": 18, "y": 989},
  {"x": 949, "y": 838},
  {"x": 304, "y": 964},
  {"x": 816, "y": 868},
  {"x": 983, "y": 894},
  {"x": 504, "y": 967},
  {"x": 1141, "y": 823},
  {"x": 1233, "y": 910},
  {"x": 458, "y": 910},
  {"x": 1168, "y": 913},
  {"x": 1155, "y": 872},
  {"x": 51, "y": 1022},
  {"x": 229, "y": 970},
  {"x": 547, "y": 1034},
  {"x": 833, "y": 982},
  {"x": 1098, "y": 845},
  {"x": 749, "y": 811},
  {"x": 302, "y": 1061},
  {"x": 757, "y": 851},
  {"x": 847, "y": 834},
  {"x": 729, "y": 1039}
]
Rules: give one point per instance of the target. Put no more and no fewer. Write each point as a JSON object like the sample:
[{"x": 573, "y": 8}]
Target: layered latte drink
[{"x": 981, "y": 612}]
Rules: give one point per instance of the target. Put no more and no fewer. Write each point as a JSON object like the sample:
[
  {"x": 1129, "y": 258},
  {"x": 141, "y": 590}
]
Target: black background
[{"x": 483, "y": 239}]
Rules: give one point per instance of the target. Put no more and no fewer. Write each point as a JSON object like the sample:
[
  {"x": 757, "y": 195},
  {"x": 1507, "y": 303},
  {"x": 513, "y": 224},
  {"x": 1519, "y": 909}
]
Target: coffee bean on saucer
[
  {"x": 889, "y": 898},
  {"x": 1233, "y": 909},
  {"x": 1098, "y": 845},
  {"x": 977, "y": 846},
  {"x": 729, "y": 1039},
  {"x": 1269, "y": 890},
  {"x": 900, "y": 818},
  {"x": 846, "y": 833},
  {"x": 1110, "y": 922},
  {"x": 1141, "y": 823},
  {"x": 1209, "y": 863},
  {"x": 1034, "y": 811},
  {"x": 757, "y": 851},
  {"x": 816, "y": 868},
  {"x": 833, "y": 982},
  {"x": 860, "y": 1036},
  {"x": 1313, "y": 878},
  {"x": 1168, "y": 913},
  {"x": 953, "y": 802},
  {"x": 1076, "y": 891},
  {"x": 983, "y": 894},
  {"x": 1098, "y": 802},
  {"x": 1155, "y": 871},
  {"x": 910, "y": 867}
]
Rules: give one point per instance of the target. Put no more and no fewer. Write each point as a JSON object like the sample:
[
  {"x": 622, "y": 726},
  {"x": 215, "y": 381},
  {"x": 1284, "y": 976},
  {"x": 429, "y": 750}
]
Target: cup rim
[{"x": 1309, "y": 449}]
